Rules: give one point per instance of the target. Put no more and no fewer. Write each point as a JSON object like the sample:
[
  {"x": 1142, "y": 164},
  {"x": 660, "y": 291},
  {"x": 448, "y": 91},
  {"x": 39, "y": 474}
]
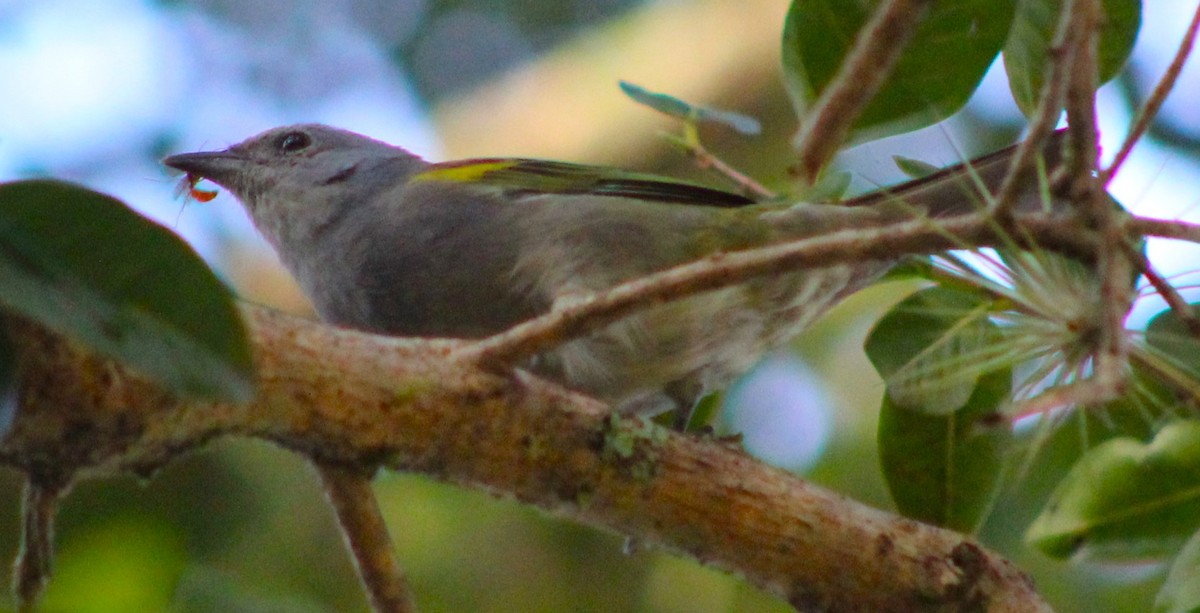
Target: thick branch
[
  {"x": 360, "y": 401},
  {"x": 353, "y": 398}
]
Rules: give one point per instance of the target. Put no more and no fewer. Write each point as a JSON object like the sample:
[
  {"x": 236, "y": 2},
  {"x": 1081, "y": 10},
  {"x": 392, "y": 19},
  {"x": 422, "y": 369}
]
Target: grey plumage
[{"x": 383, "y": 241}]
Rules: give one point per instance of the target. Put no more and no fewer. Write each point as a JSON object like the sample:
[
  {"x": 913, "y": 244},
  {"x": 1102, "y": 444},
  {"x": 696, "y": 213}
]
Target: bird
[{"x": 383, "y": 241}]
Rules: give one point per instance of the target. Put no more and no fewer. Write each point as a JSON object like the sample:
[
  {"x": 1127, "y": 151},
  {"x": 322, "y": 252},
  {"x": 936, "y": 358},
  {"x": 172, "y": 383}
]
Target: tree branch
[
  {"x": 349, "y": 493},
  {"x": 917, "y": 236},
  {"x": 361, "y": 400},
  {"x": 36, "y": 556},
  {"x": 877, "y": 48},
  {"x": 1045, "y": 117},
  {"x": 1112, "y": 265},
  {"x": 708, "y": 160},
  {"x": 1162, "y": 228}
]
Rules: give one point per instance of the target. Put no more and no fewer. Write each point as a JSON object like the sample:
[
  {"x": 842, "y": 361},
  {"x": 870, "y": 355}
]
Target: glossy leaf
[
  {"x": 1180, "y": 593},
  {"x": 938, "y": 71},
  {"x": 1058, "y": 440},
  {"x": 1027, "y": 52},
  {"x": 942, "y": 437},
  {"x": 1126, "y": 499},
  {"x": 670, "y": 105},
  {"x": 1167, "y": 334},
  {"x": 84, "y": 264},
  {"x": 929, "y": 349},
  {"x": 947, "y": 469}
]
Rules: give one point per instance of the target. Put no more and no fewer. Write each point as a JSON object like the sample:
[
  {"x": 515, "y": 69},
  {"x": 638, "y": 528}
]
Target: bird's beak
[{"x": 220, "y": 167}]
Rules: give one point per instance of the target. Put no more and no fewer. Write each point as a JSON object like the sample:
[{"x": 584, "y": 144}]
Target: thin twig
[
  {"x": 1045, "y": 118},
  {"x": 35, "y": 558},
  {"x": 1164, "y": 288},
  {"x": 1112, "y": 265},
  {"x": 366, "y": 534},
  {"x": 1082, "y": 82},
  {"x": 707, "y": 160},
  {"x": 885, "y": 242},
  {"x": 1154, "y": 103},
  {"x": 867, "y": 66},
  {"x": 1162, "y": 228},
  {"x": 1082, "y": 392}
]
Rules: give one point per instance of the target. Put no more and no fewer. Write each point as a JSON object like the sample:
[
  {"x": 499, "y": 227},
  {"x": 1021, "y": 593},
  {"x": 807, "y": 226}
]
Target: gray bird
[{"x": 383, "y": 241}]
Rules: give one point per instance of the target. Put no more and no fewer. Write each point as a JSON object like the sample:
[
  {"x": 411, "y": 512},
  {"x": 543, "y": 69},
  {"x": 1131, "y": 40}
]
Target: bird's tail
[{"x": 968, "y": 187}]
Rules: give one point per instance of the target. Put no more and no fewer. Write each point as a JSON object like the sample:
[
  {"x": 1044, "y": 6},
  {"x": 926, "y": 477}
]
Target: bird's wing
[{"x": 524, "y": 176}]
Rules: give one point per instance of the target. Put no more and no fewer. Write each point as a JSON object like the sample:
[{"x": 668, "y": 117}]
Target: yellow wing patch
[{"x": 467, "y": 172}]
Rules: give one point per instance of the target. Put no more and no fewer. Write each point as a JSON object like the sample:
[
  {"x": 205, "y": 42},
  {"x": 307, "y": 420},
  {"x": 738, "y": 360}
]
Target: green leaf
[
  {"x": 911, "y": 267},
  {"x": 947, "y": 469},
  {"x": 701, "y": 415},
  {"x": 1027, "y": 51},
  {"x": 937, "y": 72},
  {"x": 85, "y": 265},
  {"x": 663, "y": 103},
  {"x": 915, "y": 169},
  {"x": 1181, "y": 591},
  {"x": 1167, "y": 334},
  {"x": 670, "y": 105},
  {"x": 932, "y": 347},
  {"x": 1125, "y": 499},
  {"x": 831, "y": 187},
  {"x": 705, "y": 410},
  {"x": 1058, "y": 440},
  {"x": 942, "y": 437}
]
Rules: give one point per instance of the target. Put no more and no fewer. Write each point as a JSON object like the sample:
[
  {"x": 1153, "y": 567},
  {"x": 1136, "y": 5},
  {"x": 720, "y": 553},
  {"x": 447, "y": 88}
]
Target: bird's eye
[{"x": 293, "y": 142}]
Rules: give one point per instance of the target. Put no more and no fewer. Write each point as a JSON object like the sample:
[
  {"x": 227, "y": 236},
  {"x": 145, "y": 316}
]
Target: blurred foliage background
[{"x": 97, "y": 91}]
